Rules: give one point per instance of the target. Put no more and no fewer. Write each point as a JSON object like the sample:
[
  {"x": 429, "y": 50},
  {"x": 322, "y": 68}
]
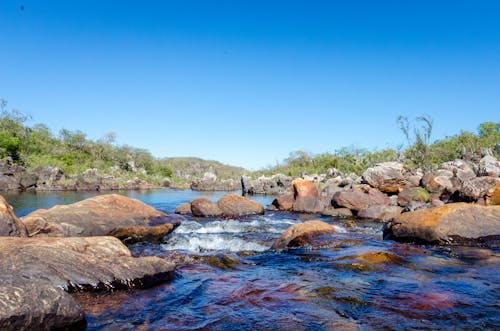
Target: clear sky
[{"x": 247, "y": 82}]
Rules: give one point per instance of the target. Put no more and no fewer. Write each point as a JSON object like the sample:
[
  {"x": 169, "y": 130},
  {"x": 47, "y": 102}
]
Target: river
[{"x": 228, "y": 279}]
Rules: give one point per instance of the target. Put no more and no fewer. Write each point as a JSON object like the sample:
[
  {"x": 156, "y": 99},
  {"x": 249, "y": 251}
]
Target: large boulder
[
  {"x": 304, "y": 189},
  {"x": 437, "y": 183},
  {"x": 450, "y": 223},
  {"x": 477, "y": 188},
  {"x": 203, "y": 207},
  {"x": 183, "y": 209},
  {"x": 494, "y": 195},
  {"x": 34, "y": 271},
  {"x": 235, "y": 205},
  {"x": 274, "y": 185},
  {"x": 489, "y": 166},
  {"x": 26, "y": 306},
  {"x": 303, "y": 234},
  {"x": 10, "y": 225},
  {"x": 460, "y": 168},
  {"x": 360, "y": 197},
  {"x": 97, "y": 216},
  {"x": 388, "y": 177},
  {"x": 284, "y": 202},
  {"x": 380, "y": 212}
]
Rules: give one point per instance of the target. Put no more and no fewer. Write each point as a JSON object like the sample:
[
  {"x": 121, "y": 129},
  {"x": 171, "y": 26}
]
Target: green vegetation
[
  {"x": 72, "y": 151},
  {"x": 420, "y": 153}
]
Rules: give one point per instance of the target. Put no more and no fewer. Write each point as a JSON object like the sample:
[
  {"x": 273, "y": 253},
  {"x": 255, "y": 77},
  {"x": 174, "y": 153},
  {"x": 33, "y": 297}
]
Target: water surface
[{"x": 227, "y": 278}]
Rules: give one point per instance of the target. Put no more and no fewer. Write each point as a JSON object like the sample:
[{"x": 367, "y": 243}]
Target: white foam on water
[
  {"x": 339, "y": 229},
  {"x": 212, "y": 242}
]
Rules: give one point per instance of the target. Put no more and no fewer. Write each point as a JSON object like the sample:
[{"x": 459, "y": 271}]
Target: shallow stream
[{"x": 228, "y": 279}]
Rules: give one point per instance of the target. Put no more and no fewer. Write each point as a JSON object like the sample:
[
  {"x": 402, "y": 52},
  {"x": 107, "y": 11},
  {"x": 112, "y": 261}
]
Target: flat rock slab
[
  {"x": 97, "y": 216},
  {"x": 455, "y": 222},
  {"x": 35, "y": 272}
]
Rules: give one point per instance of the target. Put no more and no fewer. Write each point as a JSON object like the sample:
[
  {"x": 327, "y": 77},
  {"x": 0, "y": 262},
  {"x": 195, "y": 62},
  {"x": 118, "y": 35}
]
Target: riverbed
[{"x": 227, "y": 278}]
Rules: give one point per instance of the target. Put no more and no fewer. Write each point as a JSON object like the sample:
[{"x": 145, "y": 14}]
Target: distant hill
[{"x": 190, "y": 168}]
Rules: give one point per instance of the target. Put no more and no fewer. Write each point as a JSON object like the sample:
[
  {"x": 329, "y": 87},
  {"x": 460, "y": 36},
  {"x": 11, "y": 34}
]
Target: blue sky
[{"x": 247, "y": 82}]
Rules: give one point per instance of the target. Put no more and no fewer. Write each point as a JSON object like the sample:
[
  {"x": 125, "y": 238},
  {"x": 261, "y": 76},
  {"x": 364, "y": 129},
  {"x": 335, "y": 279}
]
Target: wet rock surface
[
  {"x": 35, "y": 271},
  {"x": 303, "y": 234},
  {"x": 97, "y": 216},
  {"x": 447, "y": 224}
]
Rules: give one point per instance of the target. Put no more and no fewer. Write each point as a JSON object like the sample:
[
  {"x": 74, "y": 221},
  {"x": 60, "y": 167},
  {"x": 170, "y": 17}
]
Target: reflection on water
[{"x": 228, "y": 279}]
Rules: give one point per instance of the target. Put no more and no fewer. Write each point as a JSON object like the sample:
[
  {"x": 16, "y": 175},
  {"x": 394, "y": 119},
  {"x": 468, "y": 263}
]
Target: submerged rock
[
  {"x": 97, "y": 216},
  {"x": 235, "y": 205},
  {"x": 35, "y": 271},
  {"x": 303, "y": 234},
  {"x": 456, "y": 222},
  {"x": 10, "y": 225}
]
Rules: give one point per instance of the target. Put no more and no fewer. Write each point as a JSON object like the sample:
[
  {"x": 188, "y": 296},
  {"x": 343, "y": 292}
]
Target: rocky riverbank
[{"x": 16, "y": 178}]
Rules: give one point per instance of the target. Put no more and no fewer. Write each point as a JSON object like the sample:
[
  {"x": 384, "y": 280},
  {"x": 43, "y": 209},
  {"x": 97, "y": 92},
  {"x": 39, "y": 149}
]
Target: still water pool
[{"x": 228, "y": 279}]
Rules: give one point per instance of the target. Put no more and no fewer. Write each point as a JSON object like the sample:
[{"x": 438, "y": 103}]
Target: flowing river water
[{"x": 228, "y": 279}]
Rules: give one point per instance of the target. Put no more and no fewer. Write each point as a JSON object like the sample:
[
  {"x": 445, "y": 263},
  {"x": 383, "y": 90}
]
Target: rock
[
  {"x": 304, "y": 189},
  {"x": 336, "y": 212},
  {"x": 477, "y": 188},
  {"x": 447, "y": 224},
  {"x": 28, "y": 181},
  {"x": 311, "y": 204},
  {"x": 216, "y": 185},
  {"x": 135, "y": 234},
  {"x": 284, "y": 202},
  {"x": 494, "y": 195},
  {"x": 275, "y": 185},
  {"x": 38, "y": 306},
  {"x": 9, "y": 183},
  {"x": 203, "y": 207},
  {"x": 380, "y": 212},
  {"x": 184, "y": 209},
  {"x": 388, "y": 177},
  {"x": 235, "y": 205},
  {"x": 331, "y": 186},
  {"x": 489, "y": 166},
  {"x": 416, "y": 205},
  {"x": 460, "y": 169},
  {"x": 166, "y": 182},
  {"x": 413, "y": 194},
  {"x": 34, "y": 271},
  {"x": 10, "y": 225},
  {"x": 303, "y": 234},
  {"x": 97, "y": 216},
  {"x": 360, "y": 197},
  {"x": 48, "y": 174}
]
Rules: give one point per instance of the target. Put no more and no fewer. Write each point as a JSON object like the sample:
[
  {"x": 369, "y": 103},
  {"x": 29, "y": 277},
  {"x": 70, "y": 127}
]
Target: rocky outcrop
[
  {"x": 236, "y": 205},
  {"x": 450, "y": 223},
  {"x": 388, "y": 177},
  {"x": 203, "y": 207},
  {"x": 10, "y": 225},
  {"x": 184, "y": 209},
  {"x": 35, "y": 271},
  {"x": 98, "y": 216},
  {"x": 274, "y": 185},
  {"x": 303, "y": 234},
  {"x": 360, "y": 197},
  {"x": 210, "y": 182}
]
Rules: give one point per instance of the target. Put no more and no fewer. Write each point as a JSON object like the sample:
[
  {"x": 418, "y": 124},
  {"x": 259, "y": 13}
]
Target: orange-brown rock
[
  {"x": 97, "y": 216},
  {"x": 144, "y": 233},
  {"x": 302, "y": 189},
  {"x": 284, "y": 201},
  {"x": 494, "y": 195},
  {"x": 235, "y": 205},
  {"x": 447, "y": 224},
  {"x": 388, "y": 177},
  {"x": 303, "y": 234},
  {"x": 10, "y": 225},
  {"x": 183, "y": 209},
  {"x": 203, "y": 207},
  {"x": 360, "y": 197},
  {"x": 380, "y": 212}
]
